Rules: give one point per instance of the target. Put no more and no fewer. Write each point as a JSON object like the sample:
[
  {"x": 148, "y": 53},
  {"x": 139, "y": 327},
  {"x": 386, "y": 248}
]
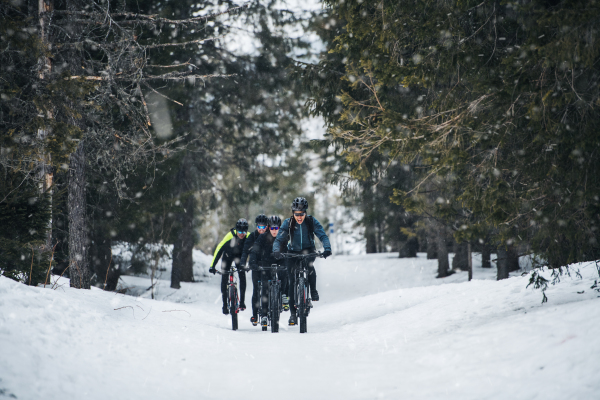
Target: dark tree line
[
  {"x": 493, "y": 107},
  {"x": 117, "y": 117}
]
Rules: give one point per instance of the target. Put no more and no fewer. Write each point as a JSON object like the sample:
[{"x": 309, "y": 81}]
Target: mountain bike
[
  {"x": 272, "y": 286},
  {"x": 233, "y": 300},
  {"x": 299, "y": 281}
]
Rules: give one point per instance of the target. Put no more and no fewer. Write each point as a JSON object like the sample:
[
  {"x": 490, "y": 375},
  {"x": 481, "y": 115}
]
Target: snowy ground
[{"x": 384, "y": 328}]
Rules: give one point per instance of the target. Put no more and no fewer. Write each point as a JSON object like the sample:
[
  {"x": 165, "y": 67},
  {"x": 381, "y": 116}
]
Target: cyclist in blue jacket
[{"x": 297, "y": 235}]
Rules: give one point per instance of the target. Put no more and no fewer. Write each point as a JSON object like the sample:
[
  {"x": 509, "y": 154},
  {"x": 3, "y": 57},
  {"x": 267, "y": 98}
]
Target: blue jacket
[{"x": 301, "y": 238}]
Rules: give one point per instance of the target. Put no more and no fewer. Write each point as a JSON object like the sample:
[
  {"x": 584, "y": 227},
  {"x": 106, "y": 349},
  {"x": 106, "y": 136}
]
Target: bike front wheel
[
  {"x": 275, "y": 308},
  {"x": 302, "y": 304},
  {"x": 233, "y": 305}
]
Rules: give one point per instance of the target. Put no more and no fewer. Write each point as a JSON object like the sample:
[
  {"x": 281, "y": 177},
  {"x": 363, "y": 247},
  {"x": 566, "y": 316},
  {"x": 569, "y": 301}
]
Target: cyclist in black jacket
[
  {"x": 262, "y": 255},
  {"x": 231, "y": 248},
  {"x": 262, "y": 223}
]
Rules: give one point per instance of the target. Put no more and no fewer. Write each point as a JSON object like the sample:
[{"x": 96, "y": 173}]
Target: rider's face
[
  {"x": 299, "y": 216},
  {"x": 261, "y": 231},
  {"x": 274, "y": 232},
  {"x": 241, "y": 235}
]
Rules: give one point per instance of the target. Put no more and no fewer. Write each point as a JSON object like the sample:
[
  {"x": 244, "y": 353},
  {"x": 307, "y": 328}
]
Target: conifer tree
[
  {"x": 235, "y": 133},
  {"x": 499, "y": 97},
  {"x": 87, "y": 110}
]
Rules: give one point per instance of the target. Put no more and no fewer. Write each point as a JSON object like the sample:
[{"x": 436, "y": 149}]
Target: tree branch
[{"x": 145, "y": 18}]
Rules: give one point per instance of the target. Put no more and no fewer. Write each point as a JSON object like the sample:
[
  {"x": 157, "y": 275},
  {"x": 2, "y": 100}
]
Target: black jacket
[
  {"x": 248, "y": 246},
  {"x": 231, "y": 248},
  {"x": 262, "y": 251}
]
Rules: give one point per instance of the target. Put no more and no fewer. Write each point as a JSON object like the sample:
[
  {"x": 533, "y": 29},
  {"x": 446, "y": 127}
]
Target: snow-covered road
[{"x": 384, "y": 328}]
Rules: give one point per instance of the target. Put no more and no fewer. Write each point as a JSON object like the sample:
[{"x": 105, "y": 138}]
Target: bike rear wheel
[{"x": 233, "y": 302}]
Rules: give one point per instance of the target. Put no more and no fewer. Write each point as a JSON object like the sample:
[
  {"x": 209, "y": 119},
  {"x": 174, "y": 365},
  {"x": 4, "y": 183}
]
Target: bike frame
[
  {"x": 300, "y": 285},
  {"x": 233, "y": 301},
  {"x": 272, "y": 285},
  {"x": 232, "y": 282}
]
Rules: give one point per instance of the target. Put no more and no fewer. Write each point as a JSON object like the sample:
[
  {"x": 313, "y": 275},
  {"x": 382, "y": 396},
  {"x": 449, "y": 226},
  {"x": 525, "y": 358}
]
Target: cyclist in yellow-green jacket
[{"x": 231, "y": 248}]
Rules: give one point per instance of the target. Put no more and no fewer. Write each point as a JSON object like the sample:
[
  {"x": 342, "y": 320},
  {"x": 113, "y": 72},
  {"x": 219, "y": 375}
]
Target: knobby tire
[
  {"x": 302, "y": 304},
  {"x": 233, "y": 307},
  {"x": 275, "y": 309}
]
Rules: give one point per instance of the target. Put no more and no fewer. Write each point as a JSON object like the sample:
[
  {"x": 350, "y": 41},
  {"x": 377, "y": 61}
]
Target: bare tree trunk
[
  {"x": 460, "y": 261},
  {"x": 183, "y": 263},
  {"x": 79, "y": 270},
  {"x": 430, "y": 239},
  {"x": 513, "y": 259},
  {"x": 183, "y": 258},
  {"x": 431, "y": 246},
  {"x": 100, "y": 256},
  {"x": 470, "y": 261},
  {"x": 176, "y": 265},
  {"x": 502, "y": 263},
  {"x": 442, "y": 251},
  {"x": 44, "y": 7},
  {"x": 371, "y": 239},
  {"x": 485, "y": 256},
  {"x": 409, "y": 248},
  {"x": 379, "y": 238}
]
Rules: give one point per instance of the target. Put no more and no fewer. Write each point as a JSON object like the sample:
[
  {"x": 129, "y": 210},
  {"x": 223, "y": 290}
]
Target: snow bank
[{"x": 385, "y": 328}]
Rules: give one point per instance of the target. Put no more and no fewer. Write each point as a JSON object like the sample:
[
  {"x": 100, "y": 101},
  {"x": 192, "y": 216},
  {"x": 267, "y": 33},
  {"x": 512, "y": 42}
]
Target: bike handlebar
[
  {"x": 273, "y": 267},
  {"x": 231, "y": 271},
  {"x": 294, "y": 255}
]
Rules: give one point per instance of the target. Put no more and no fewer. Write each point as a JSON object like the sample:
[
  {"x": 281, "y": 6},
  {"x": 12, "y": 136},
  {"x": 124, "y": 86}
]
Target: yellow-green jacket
[{"x": 231, "y": 248}]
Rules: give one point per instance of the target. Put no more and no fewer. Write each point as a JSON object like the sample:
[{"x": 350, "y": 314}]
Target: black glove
[
  {"x": 326, "y": 253},
  {"x": 278, "y": 256},
  {"x": 212, "y": 270}
]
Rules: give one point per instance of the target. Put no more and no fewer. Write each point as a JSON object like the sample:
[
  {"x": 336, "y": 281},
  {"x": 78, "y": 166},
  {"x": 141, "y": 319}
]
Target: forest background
[{"x": 450, "y": 126}]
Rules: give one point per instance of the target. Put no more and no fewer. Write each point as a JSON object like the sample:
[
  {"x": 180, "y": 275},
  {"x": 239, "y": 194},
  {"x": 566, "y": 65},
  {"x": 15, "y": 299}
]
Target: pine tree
[
  {"x": 235, "y": 133},
  {"x": 24, "y": 216},
  {"x": 500, "y": 97},
  {"x": 76, "y": 101}
]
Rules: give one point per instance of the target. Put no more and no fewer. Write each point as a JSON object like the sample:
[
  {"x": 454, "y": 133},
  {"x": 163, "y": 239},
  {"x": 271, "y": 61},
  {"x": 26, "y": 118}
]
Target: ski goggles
[
  {"x": 274, "y": 228},
  {"x": 299, "y": 214},
  {"x": 261, "y": 227}
]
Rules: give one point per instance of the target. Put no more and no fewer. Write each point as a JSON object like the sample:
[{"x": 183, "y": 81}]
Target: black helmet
[
  {"x": 274, "y": 220},
  {"x": 299, "y": 204},
  {"x": 262, "y": 219},
  {"x": 241, "y": 225}
]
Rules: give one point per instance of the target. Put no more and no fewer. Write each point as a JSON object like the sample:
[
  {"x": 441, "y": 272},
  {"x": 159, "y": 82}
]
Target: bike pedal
[{"x": 310, "y": 303}]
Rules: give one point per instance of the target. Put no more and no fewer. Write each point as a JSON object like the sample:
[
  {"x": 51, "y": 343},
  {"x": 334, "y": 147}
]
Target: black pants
[
  {"x": 312, "y": 277},
  {"x": 225, "y": 282},
  {"x": 257, "y": 296}
]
